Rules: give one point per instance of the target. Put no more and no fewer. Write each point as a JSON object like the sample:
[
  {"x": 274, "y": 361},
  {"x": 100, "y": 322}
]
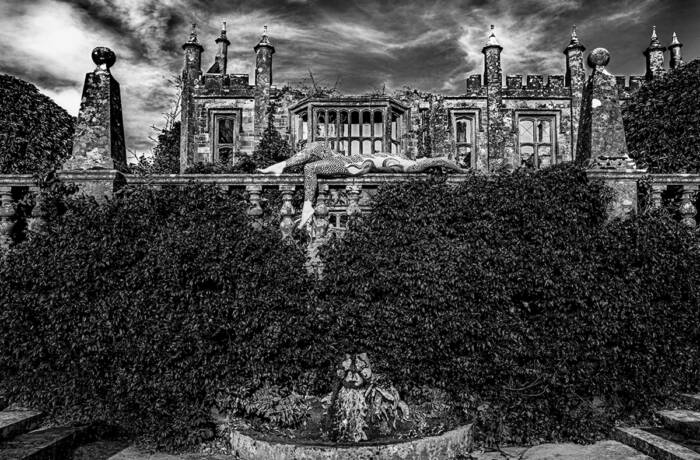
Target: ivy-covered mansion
[{"x": 527, "y": 120}]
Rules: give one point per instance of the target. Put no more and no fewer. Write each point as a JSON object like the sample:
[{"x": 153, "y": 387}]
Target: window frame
[
  {"x": 214, "y": 116},
  {"x": 475, "y": 116},
  {"x": 554, "y": 118}
]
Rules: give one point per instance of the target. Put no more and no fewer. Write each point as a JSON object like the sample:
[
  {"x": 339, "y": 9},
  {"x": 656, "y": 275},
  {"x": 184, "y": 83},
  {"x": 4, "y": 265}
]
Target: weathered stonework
[
  {"x": 602, "y": 141},
  {"x": 427, "y": 124},
  {"x": 655, "y": 57},
  {"x": 99, "y": 135}
]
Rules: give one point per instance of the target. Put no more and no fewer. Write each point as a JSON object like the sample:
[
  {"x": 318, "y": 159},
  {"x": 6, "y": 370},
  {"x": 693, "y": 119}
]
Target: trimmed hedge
[
  {"x": 508, "y": 292},
  {"x": 36, "y": 134},
  {"x": 662, "y": 122},
  {"x": 140, "y": 312},
  {"x": 513, "y": 295}
]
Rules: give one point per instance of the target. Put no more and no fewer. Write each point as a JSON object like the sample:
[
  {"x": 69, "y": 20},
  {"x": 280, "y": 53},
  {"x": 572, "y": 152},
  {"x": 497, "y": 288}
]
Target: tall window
[
  {"x": 536, "y": 141},
  {"x": 464, "y": 139},
  {"x": 224, "y": 137}
]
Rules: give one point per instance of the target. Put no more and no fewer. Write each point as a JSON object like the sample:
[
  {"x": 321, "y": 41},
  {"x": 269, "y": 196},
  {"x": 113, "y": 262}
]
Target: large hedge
[
  {"x": 139, "y": 312},
  {"x": 662, "y": 122},
  {"x": 36, "y": 134},
  {"x": 509, "y": 292},
  {"x": 513, "y": 294}
]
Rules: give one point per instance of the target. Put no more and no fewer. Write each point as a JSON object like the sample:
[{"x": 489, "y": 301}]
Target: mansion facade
[{"x": 529, "y": 121}]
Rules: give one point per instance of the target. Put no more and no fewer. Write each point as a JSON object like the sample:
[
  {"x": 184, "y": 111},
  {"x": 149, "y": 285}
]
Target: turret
[
  {"x": 493, "y": 80},
  {"x": 492, "y": 61},
  {"x": 193, "y": 57},
  {"x": 675, "y": 50},
  {"x": 575, "y": 79},
  {"x": 655, "y": 57},
  {"x": 263, "y": 81},
  {"x": 190, "y": 75},
  {"x": 221, "y": 60}
]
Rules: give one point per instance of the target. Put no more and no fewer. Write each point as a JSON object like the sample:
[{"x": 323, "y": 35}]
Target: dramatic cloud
[{"x": 362, "y": 45}]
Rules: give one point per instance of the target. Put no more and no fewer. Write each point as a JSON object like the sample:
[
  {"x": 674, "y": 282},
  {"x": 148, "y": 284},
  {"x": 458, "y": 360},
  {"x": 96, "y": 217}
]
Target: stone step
[
  {"x": 14, "y": 422},
  {"x": 49, "y": 444},
  {"x": 691, "y": 400},
  {"x": 653, "y": 445},
  {"x": 682, "y": 421}
]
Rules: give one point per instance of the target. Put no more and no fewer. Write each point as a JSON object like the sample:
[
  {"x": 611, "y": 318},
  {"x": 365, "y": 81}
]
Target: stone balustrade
[
  {"x": 337, "y": 200},
  {"x": 684, "y": 185}
]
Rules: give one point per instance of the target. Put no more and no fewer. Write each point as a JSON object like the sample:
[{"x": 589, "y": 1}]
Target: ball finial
[
  {"x": 103, "y": 57},
  {"x": 599, "y": 57}
]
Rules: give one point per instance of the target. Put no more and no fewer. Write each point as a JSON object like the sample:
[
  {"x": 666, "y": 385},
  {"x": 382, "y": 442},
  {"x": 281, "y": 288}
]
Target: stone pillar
[
  {"x": 254, "y": 211},
  {"x": 98, "y": 142},
  {"x": 263, "y": 82},
  {"x": 675, "y": 50},
  {"x": 575, "y": 81},
  {"x": 602, "y": 146},
  {"x": 99, "y": 151},
  {"x": 654, "y": 55},
  {"x": 191, "y": 74},
  {"x": 493, "y": 79},
  {"x": 7, "y": 213}
]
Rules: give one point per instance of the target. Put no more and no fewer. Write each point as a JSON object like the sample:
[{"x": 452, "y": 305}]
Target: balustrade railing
[
  {"x": 337, "y": 199},
  {"x": 684, "y": 186}
]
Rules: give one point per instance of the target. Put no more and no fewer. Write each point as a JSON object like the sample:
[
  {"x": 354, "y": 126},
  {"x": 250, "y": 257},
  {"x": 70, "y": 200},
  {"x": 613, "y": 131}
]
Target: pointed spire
[
  {"x": 492, "y": 38},
  {"x": 192, "y": 41},
  {"x": 264, "y": 40},
  {"x": 193, "y": 34},
  {"x": 574, "y": 37},
  {"x": 222, "y": 36},
  {"x": 676, "y": 54},
  {"x": 574, "y": 43},
  {"x": 654, "y": 37},
  {"x": 675, "y": 40}
]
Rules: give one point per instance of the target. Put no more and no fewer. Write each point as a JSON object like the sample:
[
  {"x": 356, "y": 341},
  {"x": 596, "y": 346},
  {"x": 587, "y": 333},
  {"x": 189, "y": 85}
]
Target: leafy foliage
[
  {"x": 662, "y": 122},
  {"x": 142, "y": 310},
  {"x": 512, "y": 294},
  {"x": 166, "y": 154},
  {"x": 36, "y": 134},
  {"x": 508, "y": 296}
]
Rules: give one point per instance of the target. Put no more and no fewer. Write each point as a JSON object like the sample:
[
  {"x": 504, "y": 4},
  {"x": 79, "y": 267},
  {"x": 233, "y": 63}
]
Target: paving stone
[
  {"x": 49, "y": 444},
  {"x": 603, "y": 450},
  {"x": 682, "y": 421},
  {"x": 14, "y": 422},
  {"x": 653, "y": 445}
]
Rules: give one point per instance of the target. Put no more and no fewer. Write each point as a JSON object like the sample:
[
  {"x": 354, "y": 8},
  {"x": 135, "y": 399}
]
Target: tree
[
  {"x": 36, "y": 134},
  {"x": 662, "y": 122}
]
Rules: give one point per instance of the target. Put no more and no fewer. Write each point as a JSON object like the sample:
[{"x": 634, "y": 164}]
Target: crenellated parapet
[{"x": 536, "y": 86}]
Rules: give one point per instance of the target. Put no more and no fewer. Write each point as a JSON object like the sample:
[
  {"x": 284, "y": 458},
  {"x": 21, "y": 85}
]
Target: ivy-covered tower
[
  {"x": 655, "y": 57},
  {"x": 493, "y": 80},
  {"x": 191, "y": 73},
  {"x": 575, "y": 80},
  {"x": 263, "y": 82}
]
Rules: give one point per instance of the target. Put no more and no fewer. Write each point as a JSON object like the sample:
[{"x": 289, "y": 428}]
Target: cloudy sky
[{"x": 430, "y": 45}]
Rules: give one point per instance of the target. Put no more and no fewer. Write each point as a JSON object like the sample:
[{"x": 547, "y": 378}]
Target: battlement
[
  {"x": 536, "y": 85},
  {"x": 225, "y": 85},
  {"x": 626, "y": 85}
]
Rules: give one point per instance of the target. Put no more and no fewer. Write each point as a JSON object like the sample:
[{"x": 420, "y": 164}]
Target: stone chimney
[
  {"x": 675, "y": 49},
  {"x": 493, "y": 80}
]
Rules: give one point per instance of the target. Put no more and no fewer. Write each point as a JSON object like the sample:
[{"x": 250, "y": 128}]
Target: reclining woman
[{"x": 321, "y": 161}]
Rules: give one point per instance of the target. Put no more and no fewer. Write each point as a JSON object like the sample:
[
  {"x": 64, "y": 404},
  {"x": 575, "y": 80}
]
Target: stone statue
[{"x": 321, "y": 161}]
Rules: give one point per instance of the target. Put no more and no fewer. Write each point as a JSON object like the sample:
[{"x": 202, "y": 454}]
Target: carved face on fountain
[{"x": 355, "y": 371}]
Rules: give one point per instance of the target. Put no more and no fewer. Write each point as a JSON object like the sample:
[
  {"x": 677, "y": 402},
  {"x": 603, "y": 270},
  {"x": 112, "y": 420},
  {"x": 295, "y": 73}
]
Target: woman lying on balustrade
[{"x": 321, "y": 161}]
